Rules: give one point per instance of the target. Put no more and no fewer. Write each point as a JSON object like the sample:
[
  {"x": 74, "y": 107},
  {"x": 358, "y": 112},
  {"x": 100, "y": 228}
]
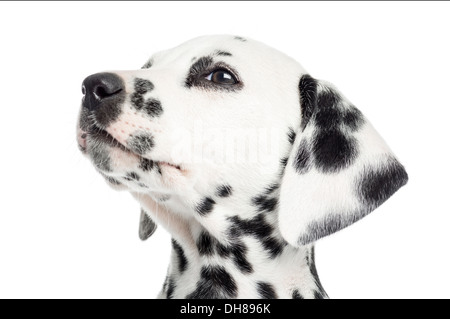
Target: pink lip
[{"x": 81, "y": 138}]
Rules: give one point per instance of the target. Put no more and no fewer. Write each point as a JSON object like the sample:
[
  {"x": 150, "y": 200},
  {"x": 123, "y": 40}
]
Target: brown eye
[{"x": 222, "y": 77}]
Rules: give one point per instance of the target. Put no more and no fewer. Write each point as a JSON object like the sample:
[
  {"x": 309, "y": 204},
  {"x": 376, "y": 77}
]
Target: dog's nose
[{"x": 99, "y": 87}]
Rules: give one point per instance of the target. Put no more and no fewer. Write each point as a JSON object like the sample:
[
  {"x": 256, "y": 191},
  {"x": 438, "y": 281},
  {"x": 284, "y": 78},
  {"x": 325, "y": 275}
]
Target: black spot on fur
[
  {"x": 206, "y": 206},
  {"x": 238, "y": 252},
  {"x": 259, "y": 228},
  {"x": 164, "y": 198},
  {"x": 273, "y": 246},
  {"x": 205, "y": 244},
  {"x": 302, "y": 162},
  {"x": 328, "y": 98},
  {"x": 223, "y": 53},
  {"x": 132, "y": 176},
  {"x": 272, "y": 188},
  {"x": 142, "y": 86},
  {"x": 223, "y": 250},
  {"x": 100, "y": 158},
  {"x": 85, "y": 121},
  {"x": 308, "y": 98},
  {"x": 146, "y": 165},
  {"x": 266, "y": 290},
  {"x": 153, "y": 107},
  {"x": 296, "y": 295},
  {"x": 328, "y": 118},
  {"x": 113, "y": 180},
  {"x": 353, "y": 118},
  {"x": 241, "y": 261},
  {"x": 332, "y": 112},
  {"x": 291, "y": 136},
  {"x": 147, "y": 65},
  {"x": 141, "y": 143},
  {"x": 283, "y": 162},
  {"x": 170, "y": 288},
  {"x": 333, "y": 151},
  {"x": 215, "y": 283},
  {"x": 318, "y": 295},
  {"x": 240, "y": 39},
  {"x": 137, "y": 100},
  {"x": 158, "y": 168},
  {"x": 224, "y": 191},
  {"x": 376, "y": 184},
  {"x": 265, "y": 204},
  {"x": 182, "y": 260}
]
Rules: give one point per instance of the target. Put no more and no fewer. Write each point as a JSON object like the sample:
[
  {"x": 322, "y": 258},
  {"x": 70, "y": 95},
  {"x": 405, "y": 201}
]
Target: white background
[{"x": 65, "y": 234}]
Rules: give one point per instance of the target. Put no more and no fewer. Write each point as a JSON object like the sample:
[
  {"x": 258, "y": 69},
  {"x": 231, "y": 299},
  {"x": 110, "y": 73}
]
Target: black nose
[{"x": 100, "y": 87}]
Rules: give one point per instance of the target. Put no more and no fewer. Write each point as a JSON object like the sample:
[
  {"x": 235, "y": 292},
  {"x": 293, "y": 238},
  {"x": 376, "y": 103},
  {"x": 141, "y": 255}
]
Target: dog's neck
[
  {"x": 249, "y": 268},
  {"x": 227, "y": 254}
]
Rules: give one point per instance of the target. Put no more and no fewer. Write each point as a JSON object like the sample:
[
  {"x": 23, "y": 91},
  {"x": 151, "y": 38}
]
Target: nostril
[
  {"x": 83, "y": 90},
  {"x": 101, "y": 92}
]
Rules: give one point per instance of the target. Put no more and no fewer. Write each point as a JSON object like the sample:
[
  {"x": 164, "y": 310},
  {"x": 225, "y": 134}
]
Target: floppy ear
[
  {"x": 146, "y": 226},
  {"x": 339, "y": 169}
]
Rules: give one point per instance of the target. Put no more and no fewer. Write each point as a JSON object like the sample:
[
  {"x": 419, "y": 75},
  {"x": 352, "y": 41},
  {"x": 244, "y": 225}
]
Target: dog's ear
[
  {"x": 339, "y": 169},
  {"x": 146, "y": 226}
]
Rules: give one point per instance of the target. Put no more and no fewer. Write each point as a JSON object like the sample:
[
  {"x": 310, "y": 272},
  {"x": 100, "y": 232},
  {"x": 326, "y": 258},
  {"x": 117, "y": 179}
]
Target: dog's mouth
[
  {"x": 178, "y": 167},
  {"x": 98, "y": 135}
]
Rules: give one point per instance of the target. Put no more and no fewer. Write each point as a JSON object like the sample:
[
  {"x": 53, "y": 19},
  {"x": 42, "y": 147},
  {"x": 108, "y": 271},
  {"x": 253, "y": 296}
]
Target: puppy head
[{"x": 219, "y": 123}]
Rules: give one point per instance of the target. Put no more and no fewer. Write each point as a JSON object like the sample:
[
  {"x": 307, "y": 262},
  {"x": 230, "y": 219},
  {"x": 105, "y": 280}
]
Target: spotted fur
[{"x": 190, "y": 148}]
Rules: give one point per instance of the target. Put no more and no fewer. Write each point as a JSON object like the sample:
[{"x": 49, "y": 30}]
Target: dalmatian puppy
[{"x": 245, "y": 158}]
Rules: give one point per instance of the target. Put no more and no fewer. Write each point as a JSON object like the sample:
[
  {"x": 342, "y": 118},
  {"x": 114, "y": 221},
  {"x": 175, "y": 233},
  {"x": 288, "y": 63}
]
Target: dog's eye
[{"x": 222, "y": 77}]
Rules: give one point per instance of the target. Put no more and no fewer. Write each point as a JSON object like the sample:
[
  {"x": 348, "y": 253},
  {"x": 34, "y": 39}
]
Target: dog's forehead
[{"x": 228, "y": 46}]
